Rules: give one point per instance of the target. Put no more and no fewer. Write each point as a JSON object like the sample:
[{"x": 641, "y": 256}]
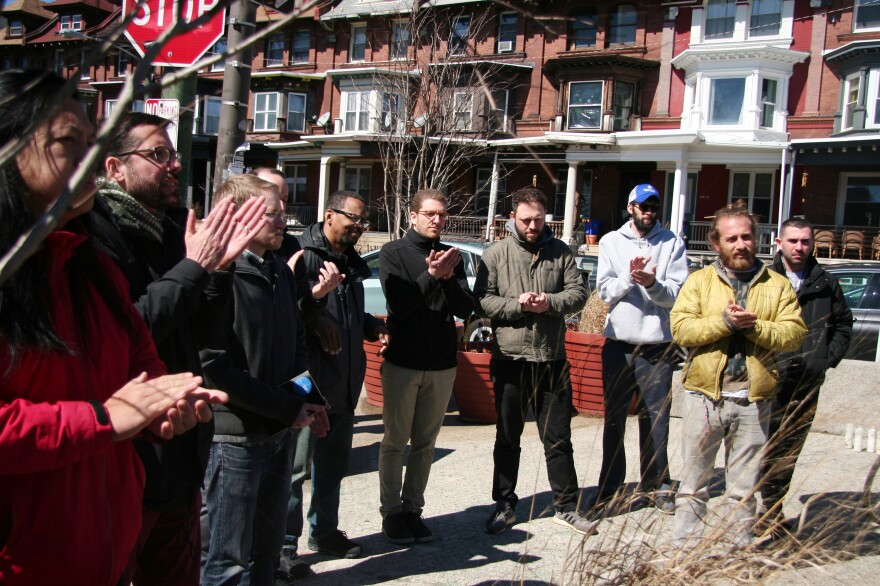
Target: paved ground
[{"x": 536, "y": 551}]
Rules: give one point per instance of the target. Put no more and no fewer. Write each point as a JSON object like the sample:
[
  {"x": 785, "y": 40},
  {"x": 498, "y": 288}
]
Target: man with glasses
[
  {"x": 337, "y": 361},
  {"x": 425, "y": 287},
  {"x": 641, "y": 269},
  {"x": 178, "y": 281}
]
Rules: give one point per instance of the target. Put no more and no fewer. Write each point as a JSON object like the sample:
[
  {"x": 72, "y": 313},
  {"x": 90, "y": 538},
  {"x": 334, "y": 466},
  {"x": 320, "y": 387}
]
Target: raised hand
[
  {"x": 329, "y": 278},
  {"x": 207, "y": 244},
  {"x": 247, "y": 221}
]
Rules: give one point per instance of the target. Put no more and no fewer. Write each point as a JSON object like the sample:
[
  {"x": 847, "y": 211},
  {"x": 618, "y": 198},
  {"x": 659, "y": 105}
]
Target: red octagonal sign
[{"x": 152, "y": 17}]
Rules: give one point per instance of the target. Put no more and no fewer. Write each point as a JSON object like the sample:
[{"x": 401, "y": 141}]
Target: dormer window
[
  {"x": 71, "y": 23},
  {"x": 15, "y": 28}
]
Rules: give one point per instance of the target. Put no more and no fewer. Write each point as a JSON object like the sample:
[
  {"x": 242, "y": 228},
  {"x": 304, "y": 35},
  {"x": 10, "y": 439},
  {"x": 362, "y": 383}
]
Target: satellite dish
[
  {"x": 324, "y": 119},
  {"x": 420, "y": 121}
]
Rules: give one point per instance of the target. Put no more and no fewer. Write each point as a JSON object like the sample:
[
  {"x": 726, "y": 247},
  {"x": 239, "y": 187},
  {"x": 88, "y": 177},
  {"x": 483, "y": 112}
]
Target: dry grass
[{"x": 593, "y": 315}]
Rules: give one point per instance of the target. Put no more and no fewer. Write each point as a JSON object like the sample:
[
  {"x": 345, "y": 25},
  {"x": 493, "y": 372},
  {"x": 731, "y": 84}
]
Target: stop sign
[{"x": 154, "y": 16}]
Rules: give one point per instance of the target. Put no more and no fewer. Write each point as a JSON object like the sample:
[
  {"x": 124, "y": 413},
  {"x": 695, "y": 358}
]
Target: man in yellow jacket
[{"x": 732, "y": 317}]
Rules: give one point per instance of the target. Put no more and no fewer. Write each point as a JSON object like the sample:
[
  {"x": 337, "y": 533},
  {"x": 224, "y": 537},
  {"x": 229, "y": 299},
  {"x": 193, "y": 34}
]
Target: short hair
[
  {"x": 798, "y": 223},
  {"x": 528, "y": 195},
  {"x": 423, "y": 194},
  {"x": 731, "y": 212},
  {"x": 337, "y": 198},
  {"x": 243, "y": 187},
  {"x": 121, "y": 140},
  {"x": 266, "y": 169}
]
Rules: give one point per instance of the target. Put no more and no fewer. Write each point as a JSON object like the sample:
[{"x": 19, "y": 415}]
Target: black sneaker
[
  {"x": 291, "y": 567},
  {"x": 336, "y": 544},
  {"x": 396, "y": 529},
  {"x": 420, "y": 531},
  {"x": 500, "y": 519}
]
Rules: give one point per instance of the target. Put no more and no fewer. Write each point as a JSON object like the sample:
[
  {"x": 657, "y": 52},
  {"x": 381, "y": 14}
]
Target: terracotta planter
[
  {"x": 373, "y": 378},
  {"x": 473, "y": 385},
  {"x": 584, "y": 353},
  {"x": 592, "y": 239}
]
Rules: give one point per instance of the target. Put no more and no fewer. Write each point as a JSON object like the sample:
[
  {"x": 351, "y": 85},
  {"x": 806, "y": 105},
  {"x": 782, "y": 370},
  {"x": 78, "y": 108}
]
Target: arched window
[
  {"x": 720, "y": 17},
  {"x": 623, "y": 25}
]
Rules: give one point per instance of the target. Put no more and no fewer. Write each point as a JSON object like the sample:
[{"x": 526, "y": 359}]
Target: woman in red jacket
[{"x": 79, "y": 373}]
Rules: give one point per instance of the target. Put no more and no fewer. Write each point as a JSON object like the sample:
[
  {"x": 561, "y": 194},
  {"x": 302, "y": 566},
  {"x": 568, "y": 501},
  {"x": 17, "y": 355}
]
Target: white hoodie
[{"x": 639, "y": 315}]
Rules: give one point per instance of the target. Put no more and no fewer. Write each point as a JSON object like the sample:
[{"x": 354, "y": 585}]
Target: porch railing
[
  {"x": 300, "y": 216},
  {"x": 698, "y": 238}
]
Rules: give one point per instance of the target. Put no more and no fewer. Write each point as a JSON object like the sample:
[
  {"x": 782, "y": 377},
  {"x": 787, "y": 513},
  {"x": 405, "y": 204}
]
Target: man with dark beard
[
  {"x": 179, "y": 283},
  {"x": 526, "y": 284},
  {"x": 733, "y": 317},
  {"x": 641, "y": 268}
]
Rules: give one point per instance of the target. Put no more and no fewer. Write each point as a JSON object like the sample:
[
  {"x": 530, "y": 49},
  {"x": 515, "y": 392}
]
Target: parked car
[
  {"x": 861, "y": 288},
  {"x": 478, "y": 329}
]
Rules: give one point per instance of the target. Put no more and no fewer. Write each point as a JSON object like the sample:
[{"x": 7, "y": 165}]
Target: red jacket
[{"x": 70, "y": 499}]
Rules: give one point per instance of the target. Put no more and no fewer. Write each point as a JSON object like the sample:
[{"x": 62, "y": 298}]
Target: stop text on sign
[
  {"x": 165, "y": 10},
  {"x": 150, "y": 18}
]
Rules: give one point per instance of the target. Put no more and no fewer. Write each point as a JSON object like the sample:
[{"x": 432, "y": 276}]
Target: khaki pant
[{"x": 415, "y": 403}]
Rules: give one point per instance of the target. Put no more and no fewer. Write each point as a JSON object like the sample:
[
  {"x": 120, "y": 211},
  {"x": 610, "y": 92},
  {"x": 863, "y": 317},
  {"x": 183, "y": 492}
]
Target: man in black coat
[
  {"x": 179, "y": 283},
  {"x": 829, "y": 326}
]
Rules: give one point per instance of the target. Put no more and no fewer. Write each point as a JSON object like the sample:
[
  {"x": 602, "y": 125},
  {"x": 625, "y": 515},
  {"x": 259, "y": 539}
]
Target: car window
[
  {"x": 854, "y": 285},
  {"x": 373, "y": 264},
  {"x": 469, "y": 268}
]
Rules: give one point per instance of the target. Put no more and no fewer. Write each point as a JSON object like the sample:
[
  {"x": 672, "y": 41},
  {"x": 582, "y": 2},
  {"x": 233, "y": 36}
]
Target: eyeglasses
[
  {"x": 160, "y": 154},
  {"x": 355, "y": 218},
  {"x": 431, "y": 215},
  {"x": 648, "y": 206},
  {"x": 274, "y": 215}
]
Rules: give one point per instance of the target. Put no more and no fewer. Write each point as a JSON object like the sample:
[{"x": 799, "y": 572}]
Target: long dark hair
[{"x": 25, "y": 298}]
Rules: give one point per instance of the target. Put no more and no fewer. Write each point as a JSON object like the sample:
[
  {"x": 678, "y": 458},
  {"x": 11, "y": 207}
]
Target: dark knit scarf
[{"x": 128, "y": 212}]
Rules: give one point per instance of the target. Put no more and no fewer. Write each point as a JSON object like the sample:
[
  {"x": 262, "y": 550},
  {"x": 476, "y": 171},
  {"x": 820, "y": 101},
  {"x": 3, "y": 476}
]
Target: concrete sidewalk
[{"x": 537, "y": 551}]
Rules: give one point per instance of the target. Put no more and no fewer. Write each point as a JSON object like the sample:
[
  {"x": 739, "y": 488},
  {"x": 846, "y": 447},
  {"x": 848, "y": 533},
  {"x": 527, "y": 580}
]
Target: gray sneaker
[
  {"x": 577, "y": 522},
  {"x": 500, "y": 519},
  {"x": 664, "y": 499}
]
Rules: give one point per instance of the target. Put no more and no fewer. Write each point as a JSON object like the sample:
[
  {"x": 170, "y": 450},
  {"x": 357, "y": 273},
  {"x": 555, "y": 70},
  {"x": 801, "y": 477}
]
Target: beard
[
  {"x": 639, "y": 221},
  {"x": 350, "y": 237},
  {"x": 149, "y": 195},
  {"x": 526, "y": 237},
  {"x": 738, "y": 263}
]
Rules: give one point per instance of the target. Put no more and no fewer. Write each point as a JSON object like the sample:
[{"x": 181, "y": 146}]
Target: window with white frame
[
  {"x": 507, "y": 25},
  {"x": 400, "y": 39},
  {"x": 219, "y": 48},
  {"x": 60, "y": 61},
  {"x": 122, "y": 61},
  {"x": 15, "y": 28},
  {"x": 583, "y": 29},
  {"x": 300, "y": 44},
  {"x": 211, "y": 115},
  {"x": 358, "y": 49},
  {"x": 720, "y": 19},
  {"x": 861, "y": 200},
  {"x": 461, "y": 32},
  {"x": 390, "y": 112},
  {"x": 766, "y": 18},
  {"x": 497, "y": 110},
  {"x": 726, "y": 96},
  {"x": 358, "y": 179},
  {"x": 585, "y": 104},
  {"x": 266, "y": 112},
  {"x": 768, "y": 102},
  {"x": 71, "y": 23},
  {"x": 483, "y": 189},
  {"x": 84, "y": 68},
  {"x": 756, "y": 190},
  {"x": 872, "y": 117},
  {"x": 624, "y": 96},
  {"x": 357, "y": 111},
  {"x": 622, "y": 29},
  {"x": 296, "y": 112},
  {"x": 462, "y": 105},
  {"x": 867, "y": 15},
  {"x": 851, "y": 89},
  {"x": 274, "y": 51},
  {"x": 109, "y": 106},
  {"x": 296, "y": 176},
  {"x": 559, "y": 196}
]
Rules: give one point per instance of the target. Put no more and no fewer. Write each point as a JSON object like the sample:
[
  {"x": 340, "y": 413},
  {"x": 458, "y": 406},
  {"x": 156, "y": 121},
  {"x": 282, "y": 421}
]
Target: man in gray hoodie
[{"x": 641, "y": 268}]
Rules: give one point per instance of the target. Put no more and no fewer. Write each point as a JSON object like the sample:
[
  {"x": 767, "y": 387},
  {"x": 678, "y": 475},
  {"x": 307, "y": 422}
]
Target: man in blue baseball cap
[{"x": 641, "y": 268}]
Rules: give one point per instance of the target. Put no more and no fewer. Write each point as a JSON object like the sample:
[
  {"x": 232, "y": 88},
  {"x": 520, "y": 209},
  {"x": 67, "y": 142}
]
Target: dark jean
[
  {"x": 546, "y": 388},
  {"x": 246, "y": 487},
  {"x": 330, "y": 459},
  {"x": 645, "y": 370}
]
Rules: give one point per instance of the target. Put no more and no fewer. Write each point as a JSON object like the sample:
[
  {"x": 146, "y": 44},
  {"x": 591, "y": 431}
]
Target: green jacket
[
  {"x": 509, "y": 269},
  {"x": 698, "y": 325}
]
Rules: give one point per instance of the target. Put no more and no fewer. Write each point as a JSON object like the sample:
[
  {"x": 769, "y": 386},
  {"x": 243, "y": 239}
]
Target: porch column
[
  {"x": 786, "y": 175},
  {"x": 679, "y": 185},
  {"x": 342, "y": 164},
  {"x": 493, "y": 201},
  {"x": 570, "y": 207},
  {"x": 324, "y": 184}
]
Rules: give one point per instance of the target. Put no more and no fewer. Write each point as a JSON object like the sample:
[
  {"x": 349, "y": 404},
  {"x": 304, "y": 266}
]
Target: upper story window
[
  {"x": 461, "y": 29},
  {"x": 71, "y": 23},
  {"x": 583, "y": 30},
  {"x": 358, "y": 49},
  {"x": 296, "y": 112},
  {"x": 60, "y": 61},
  {"x": 720, "y": 19},
  {"x": 872, "y": 119},
  {"x": 507, "y": 25},
  {"x": 84, "y": 68},
  {"x": 266, "y": 112},
  {"x": 585, "y": 105},
  {"x": 211, "y": 115},
  {"x": 851, "y": 89},
  {"x": 622, "y": 29},
  {"x": 390, "y": 114},
  {"x": 497, "y": 110},
  {"x": 274, "y": 51},
  {"x": 122, "y": 61},
  {"x": 867, "y": 15},
  {"x": 769, "y": 99},
  {"x": 766, "y": 18},
  {"x": 15, "y": 29},
  {"x": 726, "y": 97},
  {"x": 400, "y": 40},
  {"x": 624, "y": 96},
  {"x": 219, "y": 47},
  {"x": 463, "y": 106},
  {"x": 299, "y": 46},
  {"x": 357, "y": 111}
]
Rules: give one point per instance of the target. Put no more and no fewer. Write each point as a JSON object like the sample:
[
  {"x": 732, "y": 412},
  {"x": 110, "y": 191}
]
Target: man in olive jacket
[
  {"x": 733, "y": 317},
  {"x": 526, "y": 284}
]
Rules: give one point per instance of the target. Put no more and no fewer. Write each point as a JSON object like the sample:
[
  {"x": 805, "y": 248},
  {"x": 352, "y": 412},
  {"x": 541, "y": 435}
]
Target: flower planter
[
  {"x": 373, "y": 378},
  {"x": 473, "y": 385},
  {"x": 584, "y": 353}
]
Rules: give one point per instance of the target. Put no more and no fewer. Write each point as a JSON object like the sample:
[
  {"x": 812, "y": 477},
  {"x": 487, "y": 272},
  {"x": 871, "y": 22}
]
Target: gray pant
[
  {"x": 415, "y": 403},
  {"x": 744, "y": 429}
]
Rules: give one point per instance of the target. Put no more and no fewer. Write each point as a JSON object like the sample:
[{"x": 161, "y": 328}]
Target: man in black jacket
[
  {"x": 425, "y": 288},
  {"x": 336, "y": 334},
  {"x": 829, "y": 326},
  {"x": 253, "y": 358},
  {"x": 179, "y": 283}
]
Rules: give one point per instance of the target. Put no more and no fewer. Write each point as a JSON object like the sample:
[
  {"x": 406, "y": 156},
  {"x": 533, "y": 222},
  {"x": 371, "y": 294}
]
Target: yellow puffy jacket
[{"x": 698, "y": 325}]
